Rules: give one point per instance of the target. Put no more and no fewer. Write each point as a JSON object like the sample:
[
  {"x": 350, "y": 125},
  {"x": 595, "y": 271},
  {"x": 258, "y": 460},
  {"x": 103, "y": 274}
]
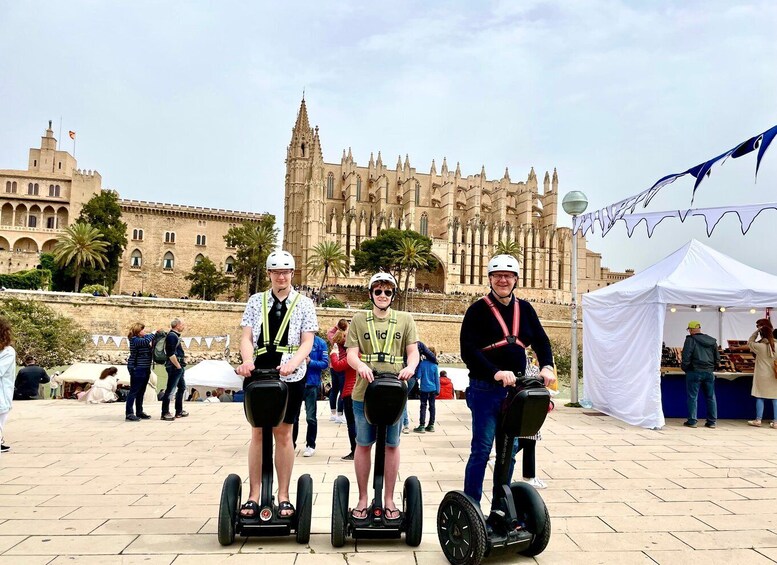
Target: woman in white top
[
  {"x": 104, "y": 388},
  {"x": 7, "y": 370}
]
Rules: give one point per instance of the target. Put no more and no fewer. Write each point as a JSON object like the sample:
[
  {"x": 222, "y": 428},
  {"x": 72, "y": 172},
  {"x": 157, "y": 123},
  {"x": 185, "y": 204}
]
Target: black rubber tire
[
  {"x": 413, "y": 508},
  {"x": 461, "y": 530},
  {"x": 340, "y": 511},
  {"x": 533, "y": 515},
  {"x": 304, "y": 508},
  {"x": 229, "y": 508}
]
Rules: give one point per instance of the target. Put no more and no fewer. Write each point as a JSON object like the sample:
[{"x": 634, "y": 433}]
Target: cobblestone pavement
[{"x": 82, "y": 486}]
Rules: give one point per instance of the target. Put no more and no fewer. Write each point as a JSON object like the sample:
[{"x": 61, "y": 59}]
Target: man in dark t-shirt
[{"x": 28, "y": 379}]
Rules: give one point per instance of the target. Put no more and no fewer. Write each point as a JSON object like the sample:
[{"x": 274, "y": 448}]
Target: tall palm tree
[
  {"x": 261, "y": 240},
  {"x": 328, "y": 256},
  {"x": 411, "y": 256},
  {"x": 82, "y": 245},
  {"x": 508, "y": 247}
]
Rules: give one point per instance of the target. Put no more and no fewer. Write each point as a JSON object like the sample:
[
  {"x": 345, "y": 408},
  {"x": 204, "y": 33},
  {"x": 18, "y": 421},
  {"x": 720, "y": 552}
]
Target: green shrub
[
  {"x": 333, "y": 302},
  {"x": 39, "y": 331},
  {"x": 562, "y": 356},
  {"x": 27, "y": 280},
  {"x": 91, "y": 288},
  {"x": 366, "y": 306}
]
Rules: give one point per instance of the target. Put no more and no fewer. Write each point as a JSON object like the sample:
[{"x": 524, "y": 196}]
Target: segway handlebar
[
  {"x": 383, "y": 374},
  {"x": 265, "y": 374}
]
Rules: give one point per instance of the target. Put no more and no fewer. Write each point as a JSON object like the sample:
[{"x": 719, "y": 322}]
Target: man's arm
[
  {"x": 470, "y": 352},
  {"x": 426, "y": 352},
  {"x": 688, "y": 347},
  {"x": 413, "y": 358},
  {"x": 172, "y": 357},
  {"x": 246, "y": 352},
  {"x": 305, "y": 346},
  {"x": 319, "y": 360},
  {"x": 44, "y": 377}
]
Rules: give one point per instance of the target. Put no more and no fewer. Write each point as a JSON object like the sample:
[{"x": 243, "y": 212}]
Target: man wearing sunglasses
[
  {"x": 379, "y": 339},
  {"x": 495, "y": 333},
  {"x": 284, "y": 345}
]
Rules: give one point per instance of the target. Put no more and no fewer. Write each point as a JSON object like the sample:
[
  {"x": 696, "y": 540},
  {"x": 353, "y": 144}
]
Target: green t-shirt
[{"x": 359, "y": 336}]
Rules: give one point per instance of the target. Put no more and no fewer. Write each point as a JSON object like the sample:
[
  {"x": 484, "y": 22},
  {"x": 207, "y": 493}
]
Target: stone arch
[
  {"x": 229, "y": 265},
  {"x": 25, "y": 245},
  {"x": 34, "y": 217},
  {"x": 6, "y": 215},
  {"x": 49, "y": 218},
  {"x": 199, "y": 258},
  {"x": 168, "y": 261},
  {"x": 4, "y": 245},
  {"x": 21, "y": 215},
  {"x": 136, "y": 259},
  {"x": 62, "y": 217},
  {"x": 48, "y": 245},
  {"x": 435, "y": 280}
]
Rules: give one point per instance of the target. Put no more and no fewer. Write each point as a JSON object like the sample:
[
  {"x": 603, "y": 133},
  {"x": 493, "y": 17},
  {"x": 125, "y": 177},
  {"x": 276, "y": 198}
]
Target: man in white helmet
[
  {"x": 279, "y": 325},
  {"x": 381, "y": 337},
  {"x": 495, "y": 333}
]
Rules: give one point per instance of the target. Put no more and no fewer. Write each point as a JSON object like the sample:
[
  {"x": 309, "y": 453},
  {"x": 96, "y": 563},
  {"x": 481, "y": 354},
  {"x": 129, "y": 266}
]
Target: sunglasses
[{"x": 379, "y": 291}]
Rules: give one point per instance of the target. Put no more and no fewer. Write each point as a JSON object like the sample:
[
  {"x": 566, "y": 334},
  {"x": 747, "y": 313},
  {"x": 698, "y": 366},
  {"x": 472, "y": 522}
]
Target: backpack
[{"x": 159, "y": 347}]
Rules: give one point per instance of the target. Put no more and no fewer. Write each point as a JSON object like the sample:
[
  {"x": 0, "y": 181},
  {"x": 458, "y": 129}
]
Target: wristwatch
[{"x": 546, "y": 367}]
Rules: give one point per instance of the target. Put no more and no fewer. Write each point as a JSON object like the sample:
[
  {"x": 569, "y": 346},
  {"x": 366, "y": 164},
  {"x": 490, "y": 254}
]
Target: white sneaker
[
  {"x": 309, "y": 451},
  {"x": 333, "y": 418},
  {"x": 535, "y": 482},
  {"x": 406, "y": 430},
  {"x": 341, "y": 420}
]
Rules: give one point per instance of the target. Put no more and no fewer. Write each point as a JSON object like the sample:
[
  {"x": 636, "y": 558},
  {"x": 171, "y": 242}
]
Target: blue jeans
[
  {"x": 338, "y": 380},
  {"x": 427, "y": 397},
  {"x": 485, "y": 402},
  {"x": 694, "y": 380},
  {"x": 310, "y": 396},
  {"x": 367, "y": 434},
  {"x": 138, "y": 382},
  {"x": 411, "y": 383},
  {"x": 759, "y": 408},
  {"x": 175, "y": 381}
]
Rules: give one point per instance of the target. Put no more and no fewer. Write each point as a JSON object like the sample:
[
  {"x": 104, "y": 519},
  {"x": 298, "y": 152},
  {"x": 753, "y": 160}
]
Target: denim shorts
[{"x": 367, "y": 434}]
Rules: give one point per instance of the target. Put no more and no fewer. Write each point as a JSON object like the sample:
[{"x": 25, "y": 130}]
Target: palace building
[
  {"x": 465, "y": 217},
  {"x": 164, "y": 240}
]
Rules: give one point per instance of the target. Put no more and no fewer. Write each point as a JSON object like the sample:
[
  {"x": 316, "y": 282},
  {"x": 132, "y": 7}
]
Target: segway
[
  {"x": 384, "y": 403},
  {"x": 519, "y": 519},
  {"x": 265, "y": 406}
]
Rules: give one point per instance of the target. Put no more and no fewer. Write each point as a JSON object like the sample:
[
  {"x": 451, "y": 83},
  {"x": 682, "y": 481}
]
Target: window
[
  {"x": 137, "y": 234},
  {"x": 51, "y": 190},
  {"x": 424, "y": 224},
  {"x": 32, "y": 222},
  {"x": 56, "y": 190},
  {"x": 13, "y": 187},
  {"x": 229, "y": 265},
  {"x": 136, "y": 260},
  {"x": 51, "y": 223},
  {"x": 60, "y": 165},
  {"x": 168, "y": 262},
  {"x": 330, "y": 186},
  {"x": 200, "y": 240},
  {"x": 35, "y": 189},
  {"x": 198, "y": 259},
  {"x": 29, "y": 188},
  {"x": 417, "y": 192},
  {"x": 35, "y": 163},
  {"x": 169, "y": 237},
  {"x": 8, "y": 186},
  {"x": 358, "y": 189}
]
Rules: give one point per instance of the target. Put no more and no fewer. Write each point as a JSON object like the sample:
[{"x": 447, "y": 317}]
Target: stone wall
[{"x": 112, "y": 316}]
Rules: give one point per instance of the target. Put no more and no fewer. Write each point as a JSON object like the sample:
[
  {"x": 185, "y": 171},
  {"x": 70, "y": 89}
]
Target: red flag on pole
[{"x": 72, "y": 134}]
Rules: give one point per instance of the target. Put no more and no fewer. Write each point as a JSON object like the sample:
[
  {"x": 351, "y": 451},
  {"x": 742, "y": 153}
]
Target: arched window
[
  {"x": 169, "y": 237},
  {"x": 424, "y": 224},
  {"x": 32, "y": 221},
  {"x": 199, "y": 258},
  {"x": 51, "y": 190},
  {"x": 56, "y": 190},
  {"x": 136, "y": 260},
  {"x": 229, "y": 265},
  {"x": 330, "y": 185},
  {"x": 168, "y": 262},
  {"x": 358, "y": 189},
  {"x": 30, "y": 188},
  {"x": 13, "y": 187},
  {"x": 417, "y": 192},
  {"x": 35, "y": 189},
  {"x": 8, "y": 186},
  {"x": 200, "y": 239},
  {"x": 463, "y": 274}
]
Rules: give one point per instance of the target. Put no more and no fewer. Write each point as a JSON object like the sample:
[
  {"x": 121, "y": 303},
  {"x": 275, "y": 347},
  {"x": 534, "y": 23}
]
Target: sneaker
[
  {"x": 182, "y": 414},
  {"x": 689, "y": 424},
  {"x": 535, "y": 482},
  {"x": 420, "y": 429},
  {"x": 430, "y": 428},
  {"x": 5, "y": 448},
  {"x": 406, "y": 430},
  {"x": 712, "y": 425},
  {"x": 132, "y": 418},
  {"x": 144, "y": 416},
  {"x": 168, "y": 417},
  {"x": 309, "y": 451},
  {"x": 341, "y": 420},
  {"x": 348, "y": 457},
  {"x": 333, "y": 418}
]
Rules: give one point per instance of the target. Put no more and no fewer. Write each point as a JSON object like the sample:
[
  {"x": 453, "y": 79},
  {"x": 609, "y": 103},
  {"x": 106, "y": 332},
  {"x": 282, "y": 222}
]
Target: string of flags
[
  {"x": 624, "y": 209},
  {"x": 117, "y": 340}
]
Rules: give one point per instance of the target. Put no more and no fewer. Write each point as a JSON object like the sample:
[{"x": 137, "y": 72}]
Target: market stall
[
  {"x": 79, "y": 375},
  {"x": 626, "y": 325}
]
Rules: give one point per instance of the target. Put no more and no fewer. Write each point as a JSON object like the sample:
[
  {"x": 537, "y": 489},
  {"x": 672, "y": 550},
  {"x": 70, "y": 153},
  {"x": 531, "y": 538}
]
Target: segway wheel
[
  {"x": 533, "y": 515},
  {"x": 304, "y": 508},
  {"x": 340, "y": 511},
  {"x": 229, "y": 508},
  {"x": 413, "y": 508},
  {"x": 461, "y": 530}
]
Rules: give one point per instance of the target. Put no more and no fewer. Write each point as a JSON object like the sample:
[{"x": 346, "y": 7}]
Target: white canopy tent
[
  {"x": 625, "y": 324},
  {"x": 90, "y": 372},
  {"x": 212, "y": 374}
]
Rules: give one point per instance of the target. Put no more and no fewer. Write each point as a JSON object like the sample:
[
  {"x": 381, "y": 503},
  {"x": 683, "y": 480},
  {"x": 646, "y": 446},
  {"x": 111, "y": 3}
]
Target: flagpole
[{"x": 60, "y": 130}]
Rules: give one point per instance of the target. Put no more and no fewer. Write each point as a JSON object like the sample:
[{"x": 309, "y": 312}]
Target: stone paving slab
[{"x": 82, "y": 486}]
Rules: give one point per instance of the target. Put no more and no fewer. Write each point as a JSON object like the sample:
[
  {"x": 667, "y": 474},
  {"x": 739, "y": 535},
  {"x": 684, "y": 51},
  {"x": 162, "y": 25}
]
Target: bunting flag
[
  {"x": 606, "y": 217},
  {"x": 712, "y": 216},
  {"x": 187, "y": 341},
  {"x": 197, "y": 340},
  {"x": 95, "y": 339},
  {"x": 208, "y": 341}
]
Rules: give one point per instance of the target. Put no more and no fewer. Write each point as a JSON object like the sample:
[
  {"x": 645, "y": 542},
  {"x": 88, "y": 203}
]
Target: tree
[
  {"x": 328, "y": 256},
  {"x": 207, "y": 280},
  {"x": 412, "y": 255},
  {"x": 253, "y": 242},
  {"x": 39, "y": 331},
  {"x": 508, "y": 247},
  {"x": 81, "y": 245},
  {"x": 103, "y": 212}
]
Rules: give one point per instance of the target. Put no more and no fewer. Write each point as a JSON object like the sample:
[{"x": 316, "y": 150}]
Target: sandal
[
  {"x": 364, "y": 514},
  {"x": 251, "y": 505},
  {"x": 755, "y": 423},
  {"x": 392, "y": 514},
  {"x": 287, "y": 507}
]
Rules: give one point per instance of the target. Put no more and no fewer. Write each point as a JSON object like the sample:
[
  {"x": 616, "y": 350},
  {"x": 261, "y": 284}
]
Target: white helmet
[
  {"x": 383, "y": 278},
  {"x": 280, "y": 260},
  {"x": 503, "y": 263}
]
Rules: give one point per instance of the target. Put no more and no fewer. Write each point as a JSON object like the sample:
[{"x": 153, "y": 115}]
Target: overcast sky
[{"x": 193, "y": 102}]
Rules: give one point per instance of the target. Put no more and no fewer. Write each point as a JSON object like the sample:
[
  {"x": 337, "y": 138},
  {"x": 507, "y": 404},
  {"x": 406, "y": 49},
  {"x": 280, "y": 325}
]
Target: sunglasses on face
[{"x": 379, "y": 291}]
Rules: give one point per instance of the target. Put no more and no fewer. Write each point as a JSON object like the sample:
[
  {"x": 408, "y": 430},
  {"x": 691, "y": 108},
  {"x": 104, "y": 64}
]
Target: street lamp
[{"x": 574, "y": 204}]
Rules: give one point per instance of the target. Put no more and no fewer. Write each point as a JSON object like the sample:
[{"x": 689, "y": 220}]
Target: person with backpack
[
  {"x": 175, "y": 364},
  {"x": 495, "y": 356}
]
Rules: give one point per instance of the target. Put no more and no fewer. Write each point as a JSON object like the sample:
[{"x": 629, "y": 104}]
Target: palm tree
[
  {"x": 326, "y": 256},
  {"x": 411, "y": 256},
  {"x": 82, "y": 245},
  {"x": 261, "y": 240},
  {"x": 508, "y": 247}
]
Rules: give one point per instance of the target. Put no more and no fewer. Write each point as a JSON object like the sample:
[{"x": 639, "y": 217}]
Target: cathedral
[{"x": 465, "y": 217}]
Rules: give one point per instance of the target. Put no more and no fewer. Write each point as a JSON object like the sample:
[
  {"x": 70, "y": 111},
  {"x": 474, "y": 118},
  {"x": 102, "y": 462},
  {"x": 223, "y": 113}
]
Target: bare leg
[
  {"x": 362, "y": 462},
  {"x": 390, "y": 476},
  {"x": 284, "y": 459},
  {"x": 254, "y": 467}
]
